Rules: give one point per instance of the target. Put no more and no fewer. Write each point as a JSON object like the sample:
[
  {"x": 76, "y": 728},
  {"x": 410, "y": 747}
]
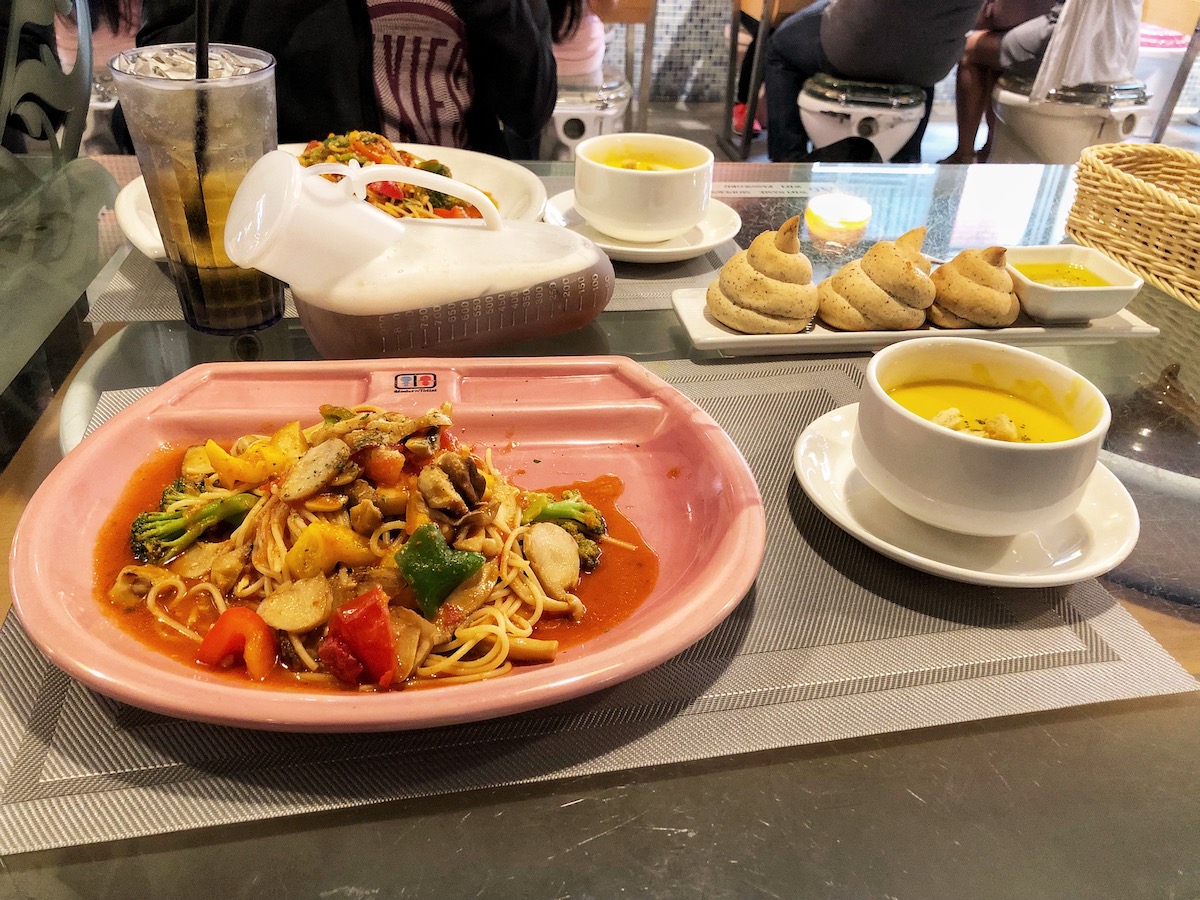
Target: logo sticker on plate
[{"x": 410, "y": 382}]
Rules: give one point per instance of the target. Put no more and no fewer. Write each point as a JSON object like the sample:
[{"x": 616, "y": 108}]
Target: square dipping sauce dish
[{"x": 1056, "y": 304}]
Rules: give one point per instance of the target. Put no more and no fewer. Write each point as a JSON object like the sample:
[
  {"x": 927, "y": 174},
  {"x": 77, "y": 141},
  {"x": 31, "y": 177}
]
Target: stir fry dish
[
  {"x": 368, "y": 551},
  {"x": 396, "y": 199}
]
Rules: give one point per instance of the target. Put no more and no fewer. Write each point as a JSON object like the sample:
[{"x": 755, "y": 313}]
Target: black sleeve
[{"x": 512, "y": 60}]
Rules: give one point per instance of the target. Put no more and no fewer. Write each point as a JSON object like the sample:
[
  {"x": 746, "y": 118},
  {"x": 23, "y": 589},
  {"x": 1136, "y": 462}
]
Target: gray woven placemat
[{"x": 834, "y": 641}]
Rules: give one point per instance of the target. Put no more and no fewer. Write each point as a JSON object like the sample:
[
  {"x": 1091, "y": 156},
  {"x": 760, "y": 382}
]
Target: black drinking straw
[
  {"x": 201, "y": 72},
  {"x": 196, "y": 212},
  {"x": 201, "y": 38}
]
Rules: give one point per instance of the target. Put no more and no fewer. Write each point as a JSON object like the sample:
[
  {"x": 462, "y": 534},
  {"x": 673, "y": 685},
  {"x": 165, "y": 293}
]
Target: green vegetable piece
[
  {"x": 158, "y": 536},
  {"x": 433, "y": 569},
  {"x": 542, "y": 507}
]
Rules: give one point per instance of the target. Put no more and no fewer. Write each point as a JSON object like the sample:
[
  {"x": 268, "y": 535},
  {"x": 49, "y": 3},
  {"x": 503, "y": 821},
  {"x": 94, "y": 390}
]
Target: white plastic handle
[{"x": 358, "y": 176}]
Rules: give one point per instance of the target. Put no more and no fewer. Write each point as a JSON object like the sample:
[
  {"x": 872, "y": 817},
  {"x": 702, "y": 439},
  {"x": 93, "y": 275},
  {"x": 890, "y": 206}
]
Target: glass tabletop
[{"x": 1055, "y": 803}]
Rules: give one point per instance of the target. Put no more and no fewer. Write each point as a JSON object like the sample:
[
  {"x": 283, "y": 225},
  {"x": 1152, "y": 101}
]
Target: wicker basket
[{"x": 1140, "y": 204}]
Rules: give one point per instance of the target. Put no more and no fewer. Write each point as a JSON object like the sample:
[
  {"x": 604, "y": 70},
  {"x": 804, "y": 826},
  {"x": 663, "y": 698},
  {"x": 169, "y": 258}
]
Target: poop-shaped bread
[
  {"x": 888, "y": 289},
  {"x": 767, "y": 288},
  {"x": 974, "y": 289}
]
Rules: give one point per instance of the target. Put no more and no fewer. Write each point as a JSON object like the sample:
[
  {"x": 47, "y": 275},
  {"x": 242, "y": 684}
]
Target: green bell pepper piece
[{"x": 433, "y": 569}]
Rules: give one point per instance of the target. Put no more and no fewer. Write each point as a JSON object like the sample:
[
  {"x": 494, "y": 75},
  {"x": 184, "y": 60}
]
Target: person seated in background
[
  {"x": 742, "y": 97},
  {"x": 913, "y": 42},
  {"x": 578, "y": 30},
  {"x": 476, "y": 74},
  {"x": 1011, "y": 37}
]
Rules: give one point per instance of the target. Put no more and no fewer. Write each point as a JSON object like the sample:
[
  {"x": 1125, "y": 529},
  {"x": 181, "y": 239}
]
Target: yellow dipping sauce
[
  {"x": 1067, "y": 275},
  {"x": 977, "y": 404}
]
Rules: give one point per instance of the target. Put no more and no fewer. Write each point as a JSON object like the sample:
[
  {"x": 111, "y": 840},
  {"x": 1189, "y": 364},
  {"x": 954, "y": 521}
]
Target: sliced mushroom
[
  {"x": 392, "y": 500},
  {"x": 347, "y": 476},
  {"x": 349, "y": 584},
  {"x": 315, "y": 470},
  {"x": 438, "y": 490},
  {"x": 365, "y": 517},
  {"x": 326, "y": 502},
  {"x": 227, "y": 567},
  {"x": 554, "y": 557},
  {"x": 298, "y": 607},
  {"x": 134, "y": 583},
  {"x": 359, "y": 490},
  {"x": 464, "y": 475},
  {"x": 423, "y": 446},
  {"x": 472, "y": 593},
  {"x": 197, "y": 560},
  {"x": 415, "y": 637}
]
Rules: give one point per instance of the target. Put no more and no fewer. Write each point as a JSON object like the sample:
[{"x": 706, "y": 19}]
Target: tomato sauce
[{"x": 622, "y": 581}]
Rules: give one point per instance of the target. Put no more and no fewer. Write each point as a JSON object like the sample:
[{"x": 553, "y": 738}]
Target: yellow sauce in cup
[
  {"x": 1067, "y": 275},
  {"x": 643, "y": 161}
]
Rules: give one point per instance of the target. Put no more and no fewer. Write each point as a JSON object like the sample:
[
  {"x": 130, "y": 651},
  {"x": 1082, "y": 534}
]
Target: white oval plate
[
  {"x": 720, "y": 223},
  {"x": 1095, "y": 539},
  {"x": 519, "y": 193}
]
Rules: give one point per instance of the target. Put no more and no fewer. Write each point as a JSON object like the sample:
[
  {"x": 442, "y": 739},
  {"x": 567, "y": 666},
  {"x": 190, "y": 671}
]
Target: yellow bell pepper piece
[
  {"x": 290, "y": 440},
  {"x": 417, "y": 512},
  {"x": 321, "y": 546},
  {"x": 259, "y": 461},
  {"x": 195, "y": 462}
]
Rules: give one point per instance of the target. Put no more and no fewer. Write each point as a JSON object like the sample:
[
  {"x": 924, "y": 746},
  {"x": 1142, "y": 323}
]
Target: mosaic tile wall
[{"x": 691, "y": 52}]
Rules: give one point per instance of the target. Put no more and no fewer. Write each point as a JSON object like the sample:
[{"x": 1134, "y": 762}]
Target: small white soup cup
[
  {"x": 966, "y": 483},
  {"x": 638, "y": 204}
]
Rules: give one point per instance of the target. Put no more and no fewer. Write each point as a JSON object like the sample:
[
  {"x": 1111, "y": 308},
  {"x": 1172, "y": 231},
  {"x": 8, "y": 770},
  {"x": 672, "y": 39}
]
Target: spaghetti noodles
[
  {"x": 369, "y": 550},
  {"x": 393, "y": 197}
]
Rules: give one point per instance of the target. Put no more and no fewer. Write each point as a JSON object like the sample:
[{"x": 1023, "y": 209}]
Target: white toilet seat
[
  {"x": 833, "y": 109},
  {"x": 585, "y": 109},
  {"x": 1057, "y": 130}
]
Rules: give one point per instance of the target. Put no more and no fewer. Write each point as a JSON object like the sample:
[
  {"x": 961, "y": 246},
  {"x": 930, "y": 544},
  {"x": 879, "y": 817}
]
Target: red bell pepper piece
[
  {"x": 392, "y": 189},
  {"x": 361, "y": 628},
  {"x": 240, "y": 631}
]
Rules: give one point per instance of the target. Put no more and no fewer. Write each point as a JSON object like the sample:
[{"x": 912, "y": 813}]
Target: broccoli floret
[
  {"x": 541, "y": 507},
  {"x": 181, "y": 489},
  {"x": 437, "y": 199},
  {"x": 157, "y": 536},
  {"x": 589, "y": 548},
  {"x": 574, "y": 515}
]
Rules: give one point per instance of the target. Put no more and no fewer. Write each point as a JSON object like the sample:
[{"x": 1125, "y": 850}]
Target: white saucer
[
  {"x": 720, "y": 223},
  {"x": 1094, "y": 540}
]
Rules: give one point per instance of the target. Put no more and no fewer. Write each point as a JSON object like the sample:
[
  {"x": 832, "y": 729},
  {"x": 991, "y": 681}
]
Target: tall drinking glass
[{"x": 195, "y": 140}]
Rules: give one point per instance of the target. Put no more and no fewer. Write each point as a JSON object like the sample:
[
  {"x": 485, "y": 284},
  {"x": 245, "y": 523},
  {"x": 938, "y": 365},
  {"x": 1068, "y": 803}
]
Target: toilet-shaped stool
[
  {"x": 585, "y": 108},
  {"x": 1058, "y": 129},
  {"x": 836, "y": 108}
]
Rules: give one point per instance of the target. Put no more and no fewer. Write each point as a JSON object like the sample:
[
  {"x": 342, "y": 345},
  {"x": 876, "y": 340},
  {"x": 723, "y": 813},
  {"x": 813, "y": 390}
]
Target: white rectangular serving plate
[{"x": 706, "y": 333}]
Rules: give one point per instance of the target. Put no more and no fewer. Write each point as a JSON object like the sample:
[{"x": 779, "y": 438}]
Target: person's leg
[
  {"x": 743, "y": 86},
  {"x": 972, "y": 90},
  {"x": 989, "y": 113},
  {"x": 742, "y": 97},
  {"x": 793, "y": 54}
]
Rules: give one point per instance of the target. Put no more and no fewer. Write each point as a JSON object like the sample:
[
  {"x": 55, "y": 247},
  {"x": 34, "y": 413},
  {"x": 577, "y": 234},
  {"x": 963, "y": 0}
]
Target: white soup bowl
[
  {"x": 637, "y": 204},
  {"x": 967, "y": 483}
]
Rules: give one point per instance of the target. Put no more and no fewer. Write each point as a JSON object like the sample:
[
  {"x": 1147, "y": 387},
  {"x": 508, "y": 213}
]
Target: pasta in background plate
[{"x": 394, "y": 198}]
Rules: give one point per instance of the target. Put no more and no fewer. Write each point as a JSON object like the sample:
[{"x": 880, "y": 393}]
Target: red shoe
[{"x": 739, "y": 120}]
